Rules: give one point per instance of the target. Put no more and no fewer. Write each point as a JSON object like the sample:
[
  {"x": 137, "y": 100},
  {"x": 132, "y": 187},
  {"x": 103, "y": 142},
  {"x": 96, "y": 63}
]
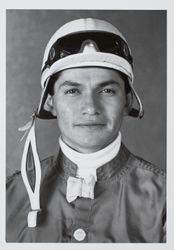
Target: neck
[{"x": 88, "y": 163}]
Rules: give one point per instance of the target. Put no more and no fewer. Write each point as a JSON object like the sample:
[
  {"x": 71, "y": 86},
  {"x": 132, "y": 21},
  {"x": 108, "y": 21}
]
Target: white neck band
[{"x": 88, "y": 163}]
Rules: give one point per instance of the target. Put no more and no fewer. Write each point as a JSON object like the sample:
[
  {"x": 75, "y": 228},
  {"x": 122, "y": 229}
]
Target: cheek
[
  {"x": 115, "y": 109},
  {"x": 64, "y": 115}
]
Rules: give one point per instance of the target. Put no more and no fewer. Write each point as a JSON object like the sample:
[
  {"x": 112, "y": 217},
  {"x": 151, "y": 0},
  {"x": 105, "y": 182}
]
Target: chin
[
  {"x": 88, "y": 143},
  {"x": 91, "y": 147}
]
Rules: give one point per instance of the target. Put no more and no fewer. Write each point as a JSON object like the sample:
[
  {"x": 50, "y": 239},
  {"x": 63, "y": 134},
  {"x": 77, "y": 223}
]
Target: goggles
[{"x": 72, "y": 44}]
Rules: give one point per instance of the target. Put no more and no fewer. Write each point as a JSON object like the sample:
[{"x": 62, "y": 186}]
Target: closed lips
[{"x": 90, "y": 124}]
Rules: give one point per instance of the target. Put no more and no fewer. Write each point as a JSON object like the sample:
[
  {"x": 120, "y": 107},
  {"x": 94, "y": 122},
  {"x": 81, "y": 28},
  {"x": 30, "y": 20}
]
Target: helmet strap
[{"x": 34, "y": 194}]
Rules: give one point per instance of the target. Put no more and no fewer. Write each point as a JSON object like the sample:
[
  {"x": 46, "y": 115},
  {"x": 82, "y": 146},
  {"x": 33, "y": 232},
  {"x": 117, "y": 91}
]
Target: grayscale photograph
[{"x": 86, "y": 126}]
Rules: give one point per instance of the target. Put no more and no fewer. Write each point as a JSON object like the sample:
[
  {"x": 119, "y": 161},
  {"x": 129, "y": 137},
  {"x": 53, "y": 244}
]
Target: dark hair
[
  {"x": 54, "y": 78},
  {"x": 126, "y": 81}
]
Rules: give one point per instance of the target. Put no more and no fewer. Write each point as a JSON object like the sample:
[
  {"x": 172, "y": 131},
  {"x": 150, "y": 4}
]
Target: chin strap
[{"x": 34, "y": 194}]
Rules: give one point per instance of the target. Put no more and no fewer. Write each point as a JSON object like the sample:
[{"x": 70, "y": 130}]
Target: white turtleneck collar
[{"x": 88, "y": 163}]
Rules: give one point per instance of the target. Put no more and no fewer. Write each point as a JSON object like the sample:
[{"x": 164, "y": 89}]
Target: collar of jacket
[{"x": 66, "y": 167}]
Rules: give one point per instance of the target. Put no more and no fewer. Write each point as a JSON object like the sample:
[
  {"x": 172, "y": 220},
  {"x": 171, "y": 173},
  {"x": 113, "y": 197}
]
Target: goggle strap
[{"x": 34, "y": 196}]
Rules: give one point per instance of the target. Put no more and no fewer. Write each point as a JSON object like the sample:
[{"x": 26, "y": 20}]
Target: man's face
[{"x": 89, "y": 103}]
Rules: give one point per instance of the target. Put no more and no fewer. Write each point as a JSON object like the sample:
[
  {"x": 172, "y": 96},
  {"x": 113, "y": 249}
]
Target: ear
[
  {"x": 49, "y": 105},
  {"x": 129, "y": 103}
]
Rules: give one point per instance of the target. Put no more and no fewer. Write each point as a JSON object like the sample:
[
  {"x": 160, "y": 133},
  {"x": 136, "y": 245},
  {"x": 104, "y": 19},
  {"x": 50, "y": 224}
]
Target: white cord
[{"x": 34, "y": 196}]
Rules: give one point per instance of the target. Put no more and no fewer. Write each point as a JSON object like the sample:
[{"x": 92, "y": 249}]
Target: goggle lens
[{"x": 106, "y": 42}]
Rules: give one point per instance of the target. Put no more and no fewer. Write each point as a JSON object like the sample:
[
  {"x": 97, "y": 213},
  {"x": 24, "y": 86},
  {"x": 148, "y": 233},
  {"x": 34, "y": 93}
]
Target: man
[{"x": 95, "y": 190}]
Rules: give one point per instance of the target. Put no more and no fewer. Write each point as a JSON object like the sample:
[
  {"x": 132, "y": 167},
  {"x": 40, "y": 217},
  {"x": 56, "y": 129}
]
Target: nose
[{"x": 91, "y": 105}]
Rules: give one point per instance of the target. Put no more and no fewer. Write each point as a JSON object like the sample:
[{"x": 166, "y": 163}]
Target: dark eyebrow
[
  {"x": 99, "y": 85},
  {"x": 69, "y": 83},
  {"x": 106, "y": 83}
]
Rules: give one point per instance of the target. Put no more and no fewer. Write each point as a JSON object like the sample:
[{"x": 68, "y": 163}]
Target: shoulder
[
  {"x": 145, "y": 178},
  {"x": 144, "y": 167},
  {"x": 46, "y": 164},
  {"x": 136, "y": 166},
  {"x": 15, "y": 188}
]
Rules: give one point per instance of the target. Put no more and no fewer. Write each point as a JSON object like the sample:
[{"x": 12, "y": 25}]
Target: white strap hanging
[{"x": 34, "y": 195}]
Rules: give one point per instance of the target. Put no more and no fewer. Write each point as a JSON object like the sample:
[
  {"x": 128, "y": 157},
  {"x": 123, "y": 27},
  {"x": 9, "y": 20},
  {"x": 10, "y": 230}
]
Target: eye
[
  {"x": 108, "y": 91},
  {"x": 73, "y": 91}
]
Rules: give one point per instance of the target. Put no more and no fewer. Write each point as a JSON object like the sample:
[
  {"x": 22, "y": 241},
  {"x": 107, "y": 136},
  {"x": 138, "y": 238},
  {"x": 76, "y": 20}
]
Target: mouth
[{"x": 90, "y": 125}]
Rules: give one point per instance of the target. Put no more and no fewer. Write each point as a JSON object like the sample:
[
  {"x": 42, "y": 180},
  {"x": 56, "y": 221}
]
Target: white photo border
[{"x": 91, "y": 4}]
